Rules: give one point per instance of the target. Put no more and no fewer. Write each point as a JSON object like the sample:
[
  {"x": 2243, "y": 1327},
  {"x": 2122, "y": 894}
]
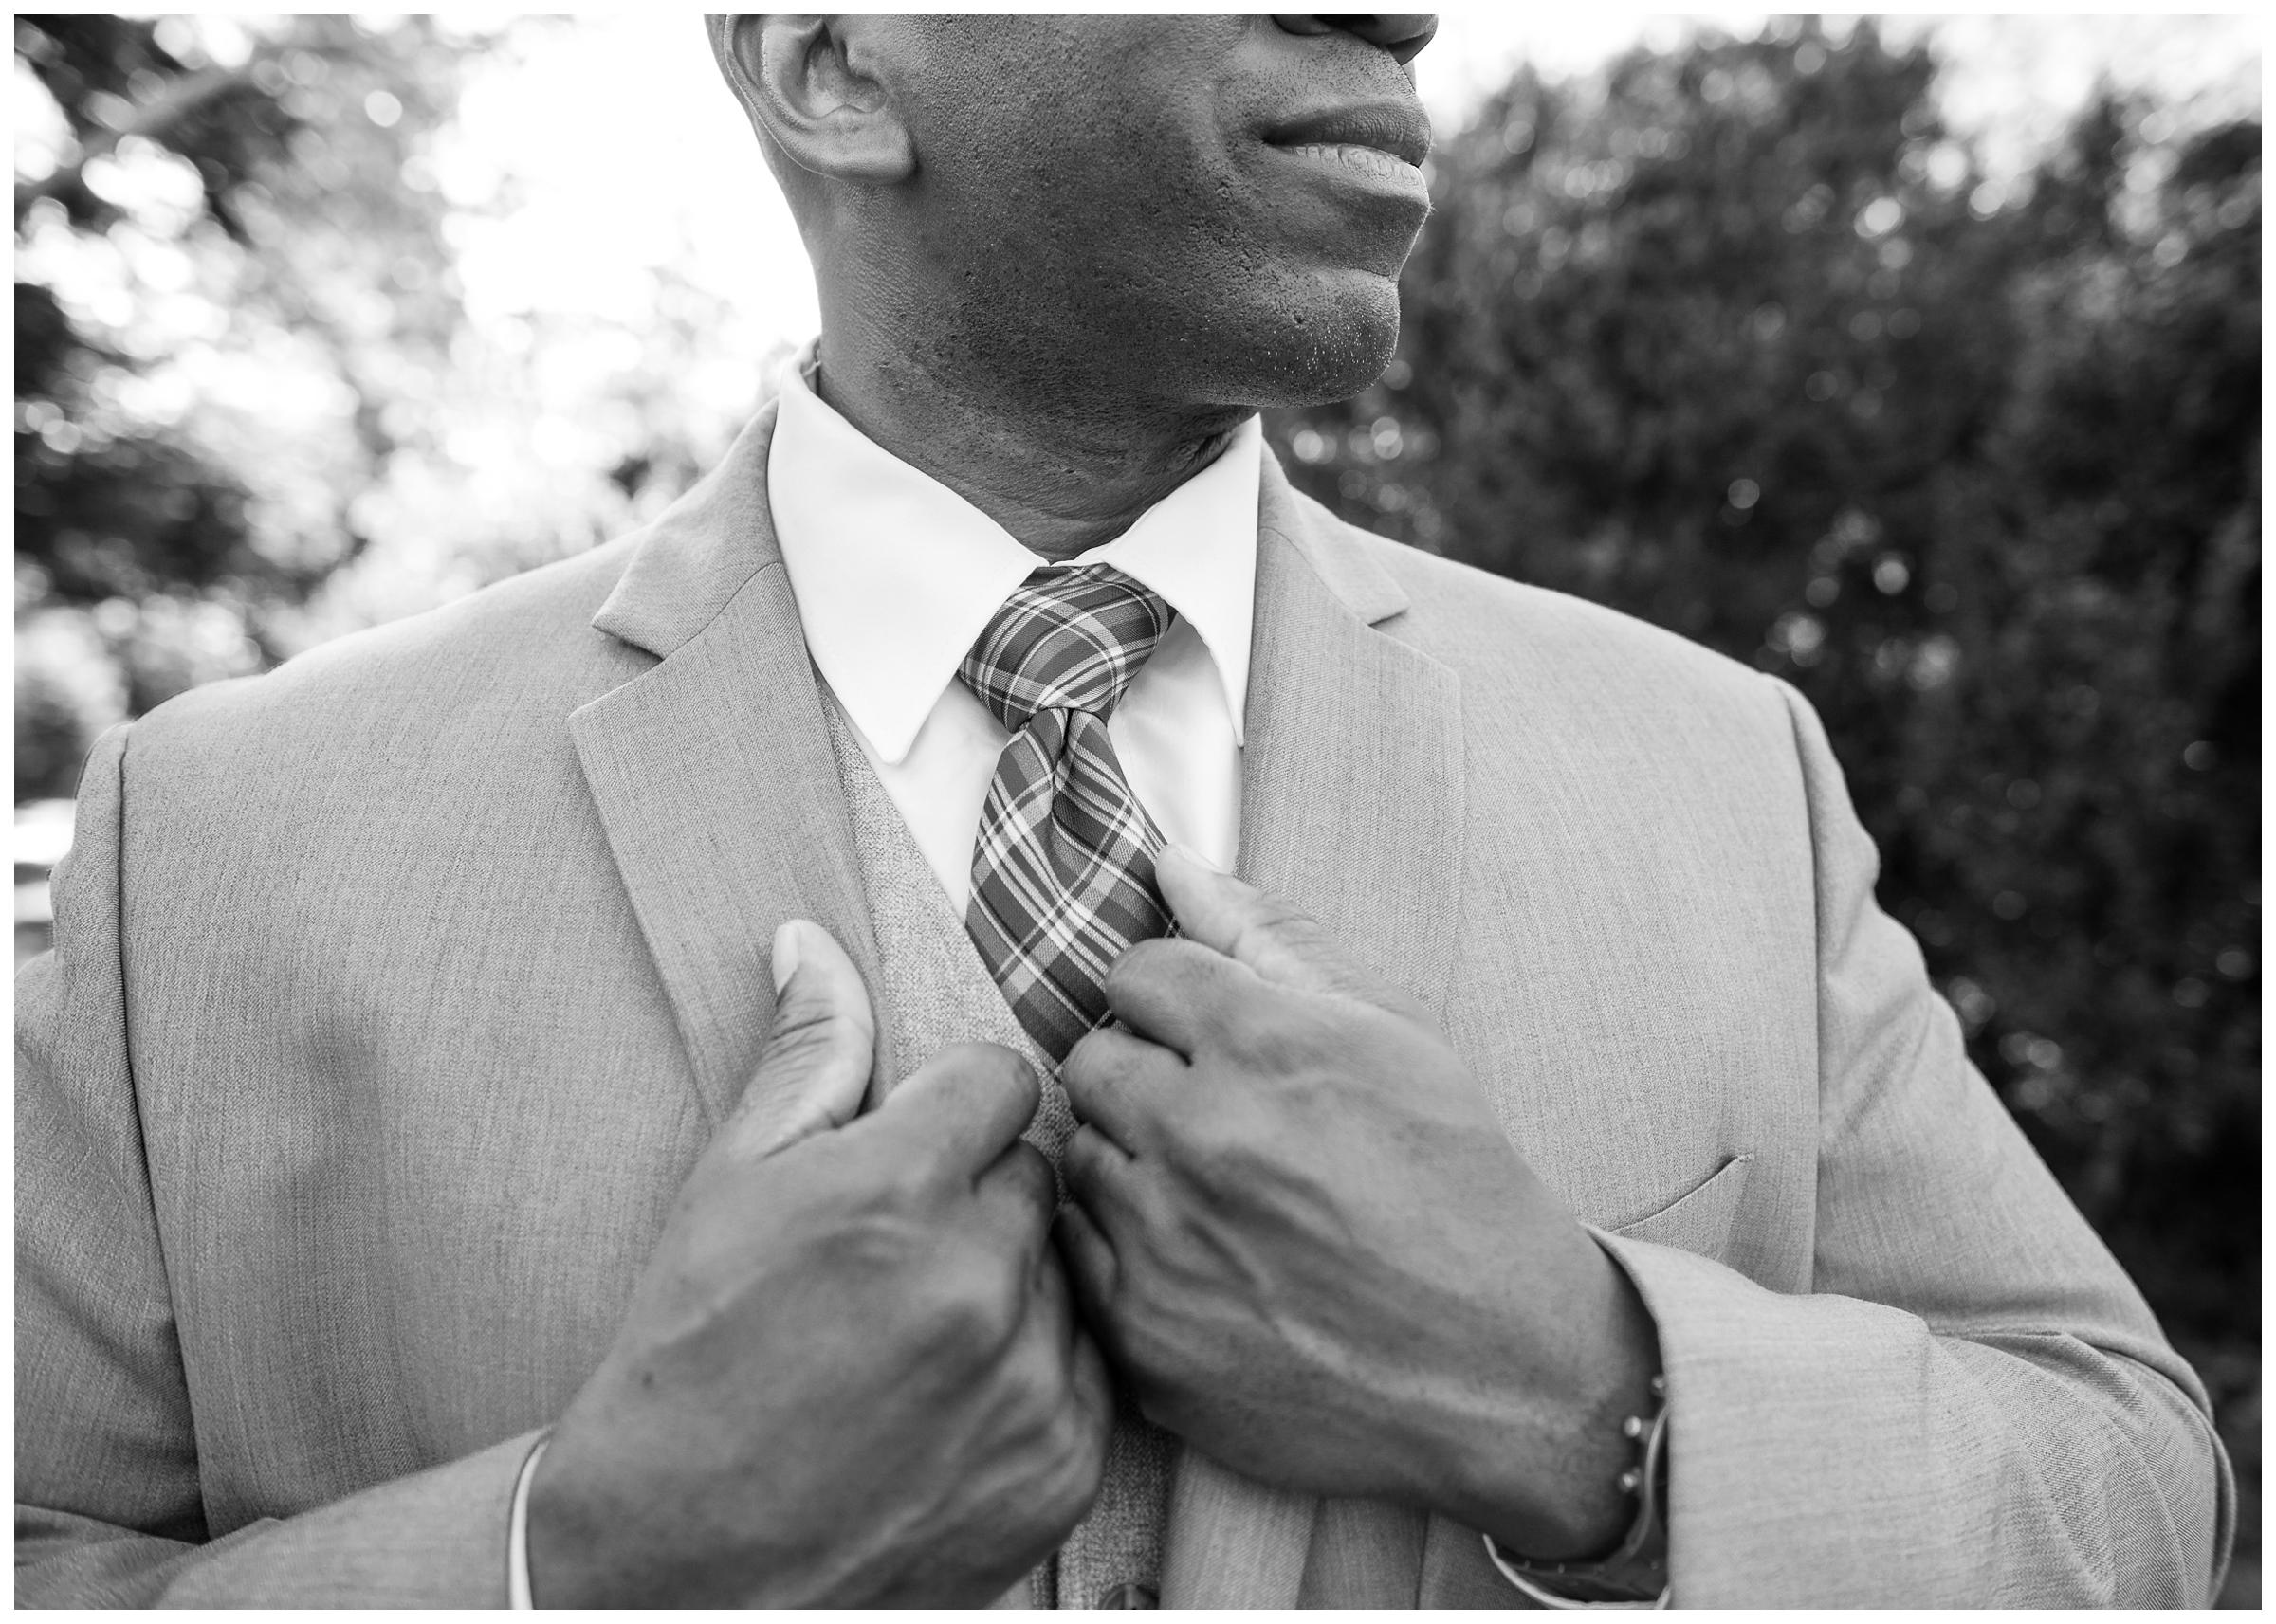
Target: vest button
[{"x": 1127, "y": 1595}]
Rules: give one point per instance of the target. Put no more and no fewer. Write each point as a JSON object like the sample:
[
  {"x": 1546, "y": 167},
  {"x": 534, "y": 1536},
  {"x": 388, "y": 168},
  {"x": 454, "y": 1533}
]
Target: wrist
[
  {"x": 562, "y": 1536},
  {"x": 1547, "y": 1481},
  {"x": 1633, "y": 1575},
  {"x": 549, "y": 1581}
]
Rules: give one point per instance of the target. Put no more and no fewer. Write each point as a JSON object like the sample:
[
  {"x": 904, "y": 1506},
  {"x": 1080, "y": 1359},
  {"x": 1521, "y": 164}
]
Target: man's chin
[{"x": 1326, "y": 336}]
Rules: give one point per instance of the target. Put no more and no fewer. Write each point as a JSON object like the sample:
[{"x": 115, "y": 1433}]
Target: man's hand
[
  {"x": 1307, "y": 1244},
  {"x": 850, "y": 1374}
]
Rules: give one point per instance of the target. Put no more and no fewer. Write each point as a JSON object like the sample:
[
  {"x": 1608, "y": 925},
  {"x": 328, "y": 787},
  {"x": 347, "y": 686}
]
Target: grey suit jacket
[{"x": 395, "y": 993}]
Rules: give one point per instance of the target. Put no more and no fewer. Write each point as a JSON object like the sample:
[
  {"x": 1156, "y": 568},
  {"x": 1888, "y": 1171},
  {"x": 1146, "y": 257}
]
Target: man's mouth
[
  {"x": 1366, "y": 160},
  {"x": 1396, "y": 130},
  {"x": 1380, "y": 144}
]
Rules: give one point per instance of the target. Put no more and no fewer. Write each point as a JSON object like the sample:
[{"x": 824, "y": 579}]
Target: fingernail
[{"x": 785, "y": 955}]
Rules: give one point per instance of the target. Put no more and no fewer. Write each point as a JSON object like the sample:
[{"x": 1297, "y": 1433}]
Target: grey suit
[{"x": 395, "y": 992}]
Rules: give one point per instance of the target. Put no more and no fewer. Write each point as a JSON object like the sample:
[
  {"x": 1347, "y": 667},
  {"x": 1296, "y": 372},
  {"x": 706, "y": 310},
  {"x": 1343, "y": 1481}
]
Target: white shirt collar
[{"x": 896, "y": 575}]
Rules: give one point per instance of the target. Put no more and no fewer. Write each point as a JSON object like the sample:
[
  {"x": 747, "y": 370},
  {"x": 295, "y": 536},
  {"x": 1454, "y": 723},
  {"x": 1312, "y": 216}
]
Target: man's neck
[{"x": 1062, "y": 476}]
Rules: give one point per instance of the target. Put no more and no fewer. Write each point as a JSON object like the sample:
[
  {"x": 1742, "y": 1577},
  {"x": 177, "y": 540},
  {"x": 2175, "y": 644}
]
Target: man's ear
[{"x": 808, "y": 87}]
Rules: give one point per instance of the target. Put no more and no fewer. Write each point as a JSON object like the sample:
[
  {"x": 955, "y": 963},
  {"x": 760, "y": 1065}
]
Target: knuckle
[
  {"x": 1123, "y": 1310},
  {"x": 1081, "y": 1153},
  {"x": 993, "y": 1064},
  {"x": 1278, "y": 912},
  {"x": 1154, "y": 1402},
  {"x": 906, "y": 1190},
  {"x": 1092, "y": 1058},
  {"x": 1277, "y": 1032},
  {"x": 986, "y": 1295},
  {"x": 1272, "y": 920},
  {"x": 902, "y": 1204},
  {"x": 1211, "y": 1146},
  {"x": 1213, "y": 1163},
  {"x": 1055, "y": 1498},
  {"x": 1223, "y": 1159},
  {"x": 977, "y": 1309},
  {"x": 1079, "y": 1448},
  {"x": 1114, "y": 1070},
  {"x": 1032, "y": 1170},
  {"x": 1043, "y": 1395},
  {"x": 1143, "y": 962},
  {"x": 865, "y": 1251}
]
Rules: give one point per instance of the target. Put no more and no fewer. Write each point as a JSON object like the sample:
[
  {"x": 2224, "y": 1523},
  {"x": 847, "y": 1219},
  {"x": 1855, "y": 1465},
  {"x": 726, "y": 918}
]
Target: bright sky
[
  {"x": 632, "y": 153},
  {"x": 597, "y": 158}
]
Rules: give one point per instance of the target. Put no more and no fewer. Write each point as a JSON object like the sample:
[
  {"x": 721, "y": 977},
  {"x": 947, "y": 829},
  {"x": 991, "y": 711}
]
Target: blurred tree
[
  {"x": 179, "y": 207},
  {"x": 258, "y": 403},
  {"x": 1740, "y": 340},
  {"x": 1747, "y": 345}
]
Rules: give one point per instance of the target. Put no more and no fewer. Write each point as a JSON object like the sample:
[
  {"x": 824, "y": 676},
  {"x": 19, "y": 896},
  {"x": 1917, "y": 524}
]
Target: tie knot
[{"x": 1065, "y": 640}]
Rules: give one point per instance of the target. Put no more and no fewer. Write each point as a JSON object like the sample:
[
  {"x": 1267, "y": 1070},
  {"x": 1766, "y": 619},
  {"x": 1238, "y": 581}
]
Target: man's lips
[
  {"x": 1370, "y": 164},
  {"x": 1398, "y": 129}
]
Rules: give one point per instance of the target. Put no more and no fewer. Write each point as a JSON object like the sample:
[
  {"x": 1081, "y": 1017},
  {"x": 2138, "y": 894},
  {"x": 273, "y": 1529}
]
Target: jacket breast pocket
[{"x": 1699, "y": 1220}]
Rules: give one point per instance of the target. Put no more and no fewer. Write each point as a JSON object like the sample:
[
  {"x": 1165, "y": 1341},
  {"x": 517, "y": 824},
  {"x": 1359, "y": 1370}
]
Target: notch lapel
[
  {"x": 713, "y": 770},
  {"x": 1352, "y": 782},
  {"x": 1351, "y": 807}
]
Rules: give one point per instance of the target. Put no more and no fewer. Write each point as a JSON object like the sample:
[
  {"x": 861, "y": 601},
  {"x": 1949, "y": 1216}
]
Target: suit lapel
[
  {"x": 712, "y": 772},
  {"x": 1351, "y": 807},
  {"x": 1352, "y": 782}
]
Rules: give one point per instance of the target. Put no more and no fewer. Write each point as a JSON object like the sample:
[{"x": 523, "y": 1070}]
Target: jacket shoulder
[
  {"x": 1483, "y": 623},
  {"x": 524, "y": 643}
]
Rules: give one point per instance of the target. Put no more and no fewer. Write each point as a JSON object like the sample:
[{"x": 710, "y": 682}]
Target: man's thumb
[
  {"x": 1281, "y": 943},
  {"x": 817, "y": 1064}
]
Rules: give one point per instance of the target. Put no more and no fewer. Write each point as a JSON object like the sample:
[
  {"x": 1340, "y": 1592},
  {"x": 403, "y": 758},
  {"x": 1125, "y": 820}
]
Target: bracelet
[{"x": 1639, "y": 1568}]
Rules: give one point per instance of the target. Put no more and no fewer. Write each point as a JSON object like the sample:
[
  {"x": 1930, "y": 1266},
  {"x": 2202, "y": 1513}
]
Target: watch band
[{"x": 1635, "y": 1575}]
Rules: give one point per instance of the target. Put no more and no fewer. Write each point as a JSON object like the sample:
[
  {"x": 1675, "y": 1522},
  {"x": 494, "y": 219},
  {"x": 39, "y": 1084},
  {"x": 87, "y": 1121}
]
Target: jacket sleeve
[
  {"x": 1974, "y": 1407},
  {"x": 108, "y": 1510}
]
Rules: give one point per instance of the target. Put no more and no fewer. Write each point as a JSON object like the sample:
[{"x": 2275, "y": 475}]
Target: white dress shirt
[{"x": 896, "y": 575}]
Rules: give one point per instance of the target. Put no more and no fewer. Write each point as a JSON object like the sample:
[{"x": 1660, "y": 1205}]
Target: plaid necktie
[{"x": 1063, "y": 869}]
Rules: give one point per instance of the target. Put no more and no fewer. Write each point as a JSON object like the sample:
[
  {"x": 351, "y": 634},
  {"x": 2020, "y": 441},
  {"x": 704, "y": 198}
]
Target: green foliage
[
  {"x": 1750, "y": 349},
  {"x": 275, "y": 381},
  {"x": 1740, "y": 340},
  {"x": 279, "y": 197}
]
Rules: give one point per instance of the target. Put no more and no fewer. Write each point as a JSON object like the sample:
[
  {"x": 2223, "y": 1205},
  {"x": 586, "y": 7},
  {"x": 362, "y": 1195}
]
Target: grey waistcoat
[{"x": 934, "y": 991}]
